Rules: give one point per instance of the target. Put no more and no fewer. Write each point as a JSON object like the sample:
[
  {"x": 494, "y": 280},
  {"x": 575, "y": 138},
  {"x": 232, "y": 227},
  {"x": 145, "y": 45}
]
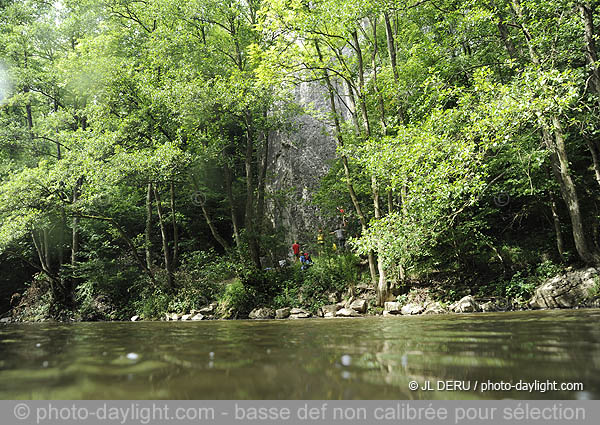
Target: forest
[{"x": 136, "y": 161}]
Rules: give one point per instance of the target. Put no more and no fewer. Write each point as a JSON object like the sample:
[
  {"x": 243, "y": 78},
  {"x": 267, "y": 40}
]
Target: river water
[{"x": 366, "y": 358}]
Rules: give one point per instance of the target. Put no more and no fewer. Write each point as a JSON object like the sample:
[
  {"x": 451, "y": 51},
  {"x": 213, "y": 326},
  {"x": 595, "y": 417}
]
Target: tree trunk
[
  {"x": 234, "y": 222},
  {"x": 174, "y": 222},
  {"x": 148, "y": 232},
  {"x": 505, "y": 37},
  {"x": 165, "y": 240},
  {"x": 382, "y": 284},
  {"x": 569, "y": 192},
  {"x": 593, "y": 146},
  {"x": 249, "y": 216},
  {"x": 591, "y": 54},
  {"x": 374, "y": 65},
  {"x": 75, "y": 223},
  {"x": 262, "y": 177},
  {"x": 361, "y": 85},
  {"x": 349, "y": 185},
  {"x": 556, "y": 144},
  {"x": 560, "y": 244}
]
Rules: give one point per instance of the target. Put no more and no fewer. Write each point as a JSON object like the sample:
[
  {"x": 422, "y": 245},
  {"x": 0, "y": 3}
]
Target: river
[{"x": 365, "y": 358}]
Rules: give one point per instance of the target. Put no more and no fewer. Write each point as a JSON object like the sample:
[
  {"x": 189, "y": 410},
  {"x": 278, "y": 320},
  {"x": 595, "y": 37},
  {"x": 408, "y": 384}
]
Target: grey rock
[
  {"x": 262, "y": 313},
  {"x": 299, "y": 313},
  {"x": 494, "y": 304},
  {"x": 282, "y": 313},
  {"x": 465, "y": 305},
  {"x": 567, "y": 290},
  {"x": 435, "y": 308},
  {"x": 333, "y": 297},
  {"x": 209, "y": 309},
  {"x": 198, "y": 316},
  {"x": 572, "y": 289},
  {"x": 135, "y": 318},
  {"x": 5, "y": 320},
  {"x": 186, "y": 317},
  {"x": 347, "y": 312},
  {"x": 412, "y": 308},
  {"x": 359, "y": 305},
  {"x": 175, "y": 316},
  {"x": 298, "y": 159},
  {"x": 330, "y": 308},
  {"x": 392, "y": 307}
]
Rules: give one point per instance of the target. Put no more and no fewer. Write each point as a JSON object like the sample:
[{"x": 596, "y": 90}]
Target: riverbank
[{"x": 573, "y": 288}]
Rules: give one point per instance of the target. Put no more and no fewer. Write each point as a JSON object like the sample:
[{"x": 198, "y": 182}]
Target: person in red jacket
[{"x": 296, "y": 249}]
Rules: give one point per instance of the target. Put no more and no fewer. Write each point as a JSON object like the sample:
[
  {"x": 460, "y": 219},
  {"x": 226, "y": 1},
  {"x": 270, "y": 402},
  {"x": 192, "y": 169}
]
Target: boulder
[
  {"x": 392, "y": 307},
  {"x": 333, "y": 297},
  {"x": 347, "y": 312},
  {"x": 299, "y": 313},
  {"x": 174, "y": 316},
  {"x": 465, "y": 305},
  {"x": 135, "y": 318},
  {"x": 198, "y": 316},
  {"x": 412, "y": 308},
  {"x": 567, "y": 290},
  {"x": 186, "y": 317},
  {"x": 331, "y": 309},
  {"x": 282, "y": 313},
  {"x": 494, "y": 304},
  {"x": 359, "y": 305},
  {"x": 5, "y": 320},
  {"x": 435, "y": 308},
  {"x": 208, "y": 309},
  {"x": 262, "y": 313}
]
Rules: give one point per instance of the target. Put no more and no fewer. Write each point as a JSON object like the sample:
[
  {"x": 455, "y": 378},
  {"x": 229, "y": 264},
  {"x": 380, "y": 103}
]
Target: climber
[
  {"x": 321, "y": 241},
  {"x": 340, "y": 234},
  {"x": 296, "y": 249}
]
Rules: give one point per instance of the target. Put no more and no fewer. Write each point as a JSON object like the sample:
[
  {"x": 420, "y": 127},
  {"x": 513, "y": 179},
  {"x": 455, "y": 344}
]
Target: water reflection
[{"x": 371, "y": 358}]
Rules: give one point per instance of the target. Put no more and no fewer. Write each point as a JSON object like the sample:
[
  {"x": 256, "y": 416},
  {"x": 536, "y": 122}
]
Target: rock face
[
  {"x": 410, "y": 309},
  {"x": 465, "y": 305},
  {"x": 297, "y": 160},
  {"x": 567, "y": 290},
  {"x": 282, "y": 313},
  {"x": 262, "y": 313}
]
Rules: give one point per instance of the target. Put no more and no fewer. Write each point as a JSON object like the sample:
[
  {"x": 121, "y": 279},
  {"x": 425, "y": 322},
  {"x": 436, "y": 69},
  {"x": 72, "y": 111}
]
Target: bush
[{"x": 237, "y": 300}]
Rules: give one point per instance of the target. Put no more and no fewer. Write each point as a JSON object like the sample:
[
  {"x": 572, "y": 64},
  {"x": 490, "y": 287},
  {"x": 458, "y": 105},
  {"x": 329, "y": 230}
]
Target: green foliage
[{"x": 237, "y": 300}]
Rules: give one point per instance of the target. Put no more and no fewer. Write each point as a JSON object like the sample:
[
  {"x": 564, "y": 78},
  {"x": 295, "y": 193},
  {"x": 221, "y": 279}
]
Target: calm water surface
[{"x": 369, "y": 358}]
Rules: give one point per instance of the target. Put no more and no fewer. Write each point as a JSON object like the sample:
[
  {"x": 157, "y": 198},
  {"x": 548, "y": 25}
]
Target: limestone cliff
[{"x": 298, "y": 160}]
